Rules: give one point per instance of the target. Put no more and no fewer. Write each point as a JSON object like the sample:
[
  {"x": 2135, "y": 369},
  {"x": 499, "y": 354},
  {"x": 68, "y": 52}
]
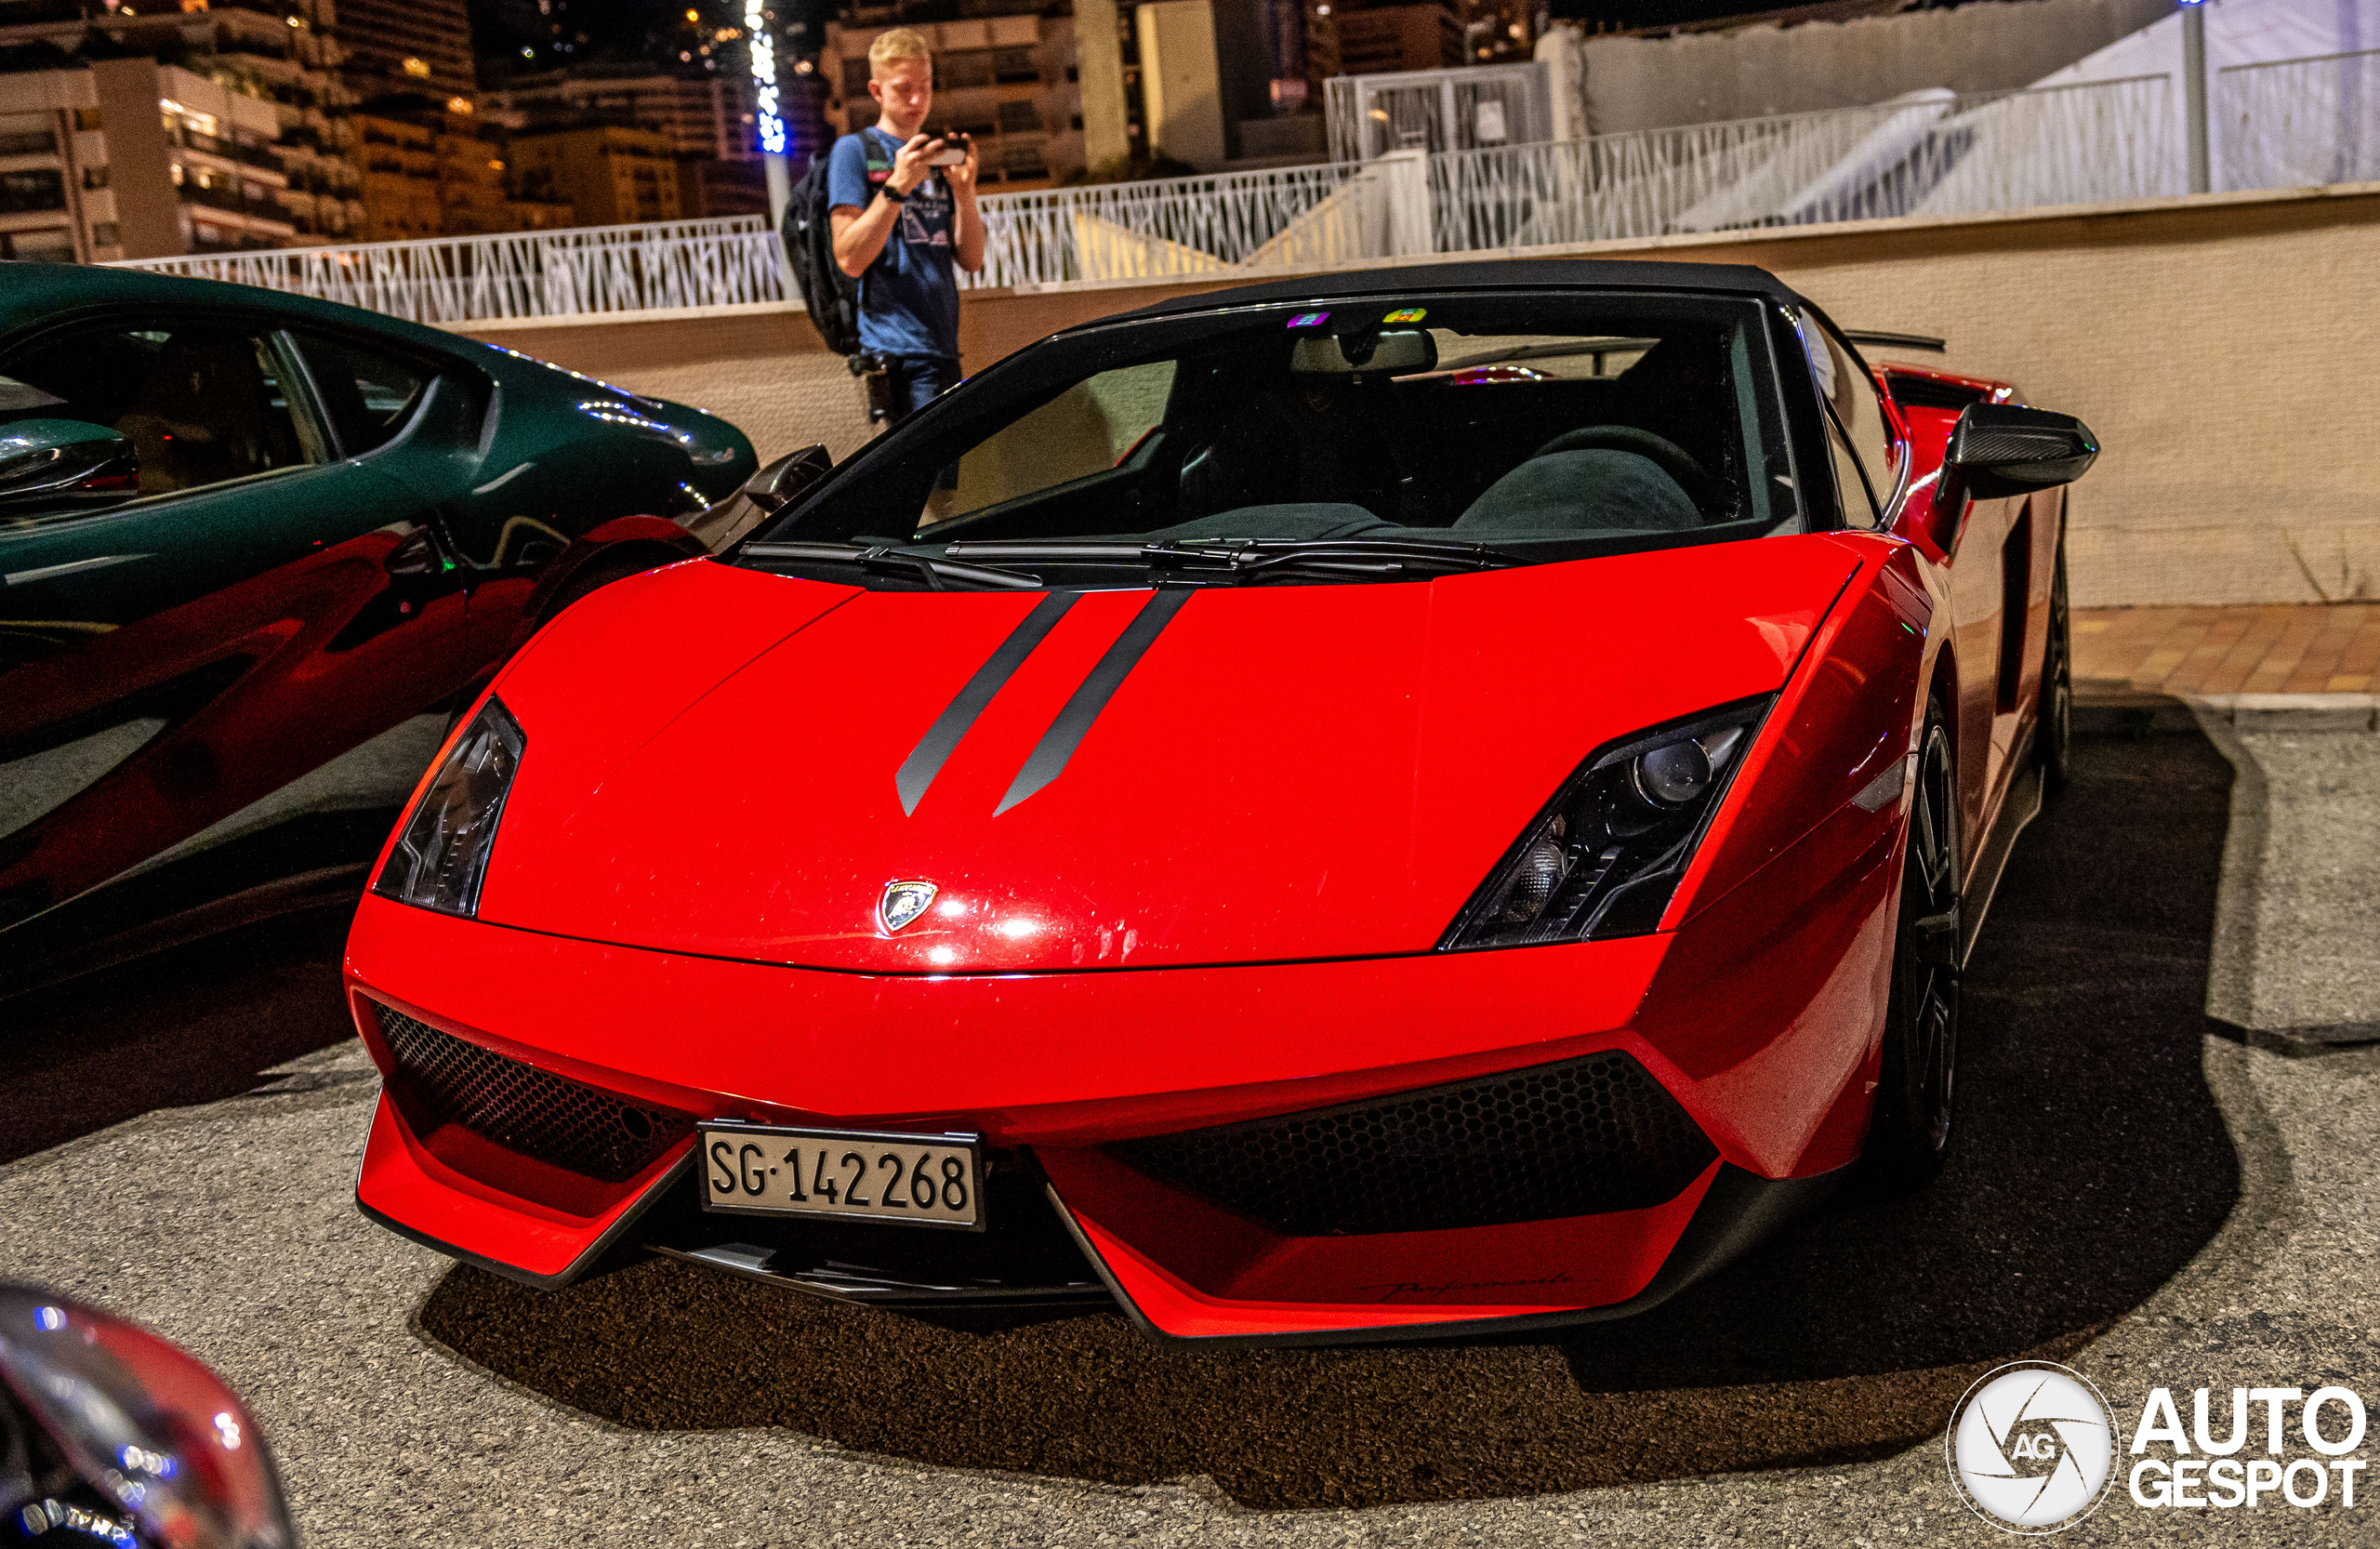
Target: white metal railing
[
  {"x": 2300, "y": 122},
  {"x": 674, "y": 265},
  {"x": 1930, "y": 153},
  {"x": 1168, "y": 229}
]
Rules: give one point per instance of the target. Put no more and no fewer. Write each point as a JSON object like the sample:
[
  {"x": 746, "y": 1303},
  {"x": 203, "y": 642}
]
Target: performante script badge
[{"x": 902, "y": 904}]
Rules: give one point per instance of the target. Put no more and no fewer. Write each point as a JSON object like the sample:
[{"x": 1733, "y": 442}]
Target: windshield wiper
[
  {"x": 879, "y": 559},
  {"x": 1254, "y": 559}
]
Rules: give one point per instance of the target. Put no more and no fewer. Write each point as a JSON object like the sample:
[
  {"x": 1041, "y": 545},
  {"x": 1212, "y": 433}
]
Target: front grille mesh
[
  {"x": 524, "y": 1108},
  {"x": 1577, "y": 1138}
]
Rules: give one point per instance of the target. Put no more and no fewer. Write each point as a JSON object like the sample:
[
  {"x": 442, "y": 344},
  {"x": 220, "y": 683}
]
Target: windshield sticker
[
  {"x": 1407, "y": 314},
  {"x": 1309, "y": 320}
]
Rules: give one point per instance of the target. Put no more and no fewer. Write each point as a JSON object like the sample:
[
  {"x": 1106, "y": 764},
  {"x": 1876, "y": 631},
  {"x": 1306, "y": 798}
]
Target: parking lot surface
[{"x": 2142, "y": 1191}]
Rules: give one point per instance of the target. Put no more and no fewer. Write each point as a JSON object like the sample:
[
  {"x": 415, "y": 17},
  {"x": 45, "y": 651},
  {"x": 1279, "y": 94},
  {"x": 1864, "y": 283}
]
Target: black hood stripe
[
  {"x": 925, "y": 760},
  {"x": 1066, "y": 734}
]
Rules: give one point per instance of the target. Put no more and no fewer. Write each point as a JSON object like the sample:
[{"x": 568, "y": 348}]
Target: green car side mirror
[{"x": 64, "y": 464}]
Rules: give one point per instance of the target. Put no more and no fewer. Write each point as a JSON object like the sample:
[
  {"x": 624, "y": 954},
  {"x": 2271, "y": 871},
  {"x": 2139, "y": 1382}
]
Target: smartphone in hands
[{"x": 952, "y": 152}]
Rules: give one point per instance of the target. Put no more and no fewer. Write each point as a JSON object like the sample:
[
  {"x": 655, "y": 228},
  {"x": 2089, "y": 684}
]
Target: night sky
[{"x": 528, "y": 36}]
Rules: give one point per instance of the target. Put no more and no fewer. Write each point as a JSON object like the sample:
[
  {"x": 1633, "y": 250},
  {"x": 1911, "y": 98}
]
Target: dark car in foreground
[
  {"x": 254, "y": 549},
  {"x": 111, "y": 1436},
  {"x": 1381, "y": 805}
]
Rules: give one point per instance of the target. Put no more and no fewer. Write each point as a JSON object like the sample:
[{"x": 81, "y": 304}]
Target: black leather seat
[{"x": 1620, "y": 485}]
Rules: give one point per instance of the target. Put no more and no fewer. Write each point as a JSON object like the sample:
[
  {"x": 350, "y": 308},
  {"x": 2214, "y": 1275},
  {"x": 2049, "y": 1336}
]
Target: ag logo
[
  {"x": 901, "y": 903},
  {"x": 2032, "y": 1447}
]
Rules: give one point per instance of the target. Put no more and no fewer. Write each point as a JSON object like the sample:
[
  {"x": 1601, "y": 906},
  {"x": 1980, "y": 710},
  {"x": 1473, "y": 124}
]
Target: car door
[{"x": 249, "y": 655}]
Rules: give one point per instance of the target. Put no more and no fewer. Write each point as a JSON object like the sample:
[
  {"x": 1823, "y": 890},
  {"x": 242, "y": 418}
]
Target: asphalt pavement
[{"x": 2145, "y": 1192}]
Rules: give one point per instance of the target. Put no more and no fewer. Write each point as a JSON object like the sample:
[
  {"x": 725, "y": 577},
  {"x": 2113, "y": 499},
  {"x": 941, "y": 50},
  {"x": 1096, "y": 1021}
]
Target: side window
[
  {"x": 368, "y": 396},
  {"x": 1864, "y": 419},
  {"x": 1087, "y": 429},
  {"x": 199, "y": 405},
  {"x": 1858, "y": 415}
]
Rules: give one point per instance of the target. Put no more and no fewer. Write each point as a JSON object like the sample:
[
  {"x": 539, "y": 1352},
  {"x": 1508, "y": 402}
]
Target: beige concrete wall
[
  {"x": 1639, "y": 83},
  {"x": 2217, "y": 345}
]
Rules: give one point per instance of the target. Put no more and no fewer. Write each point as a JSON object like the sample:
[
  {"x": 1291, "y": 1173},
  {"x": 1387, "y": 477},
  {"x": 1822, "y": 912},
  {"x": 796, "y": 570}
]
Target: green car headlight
[{"x": 442, "y": 852}]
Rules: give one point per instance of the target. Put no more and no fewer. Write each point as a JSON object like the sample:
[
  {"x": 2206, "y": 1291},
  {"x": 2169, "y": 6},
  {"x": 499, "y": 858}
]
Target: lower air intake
[
  {"x": 1579, "y": 1138},
  {"x": 525, "y": 1109}
]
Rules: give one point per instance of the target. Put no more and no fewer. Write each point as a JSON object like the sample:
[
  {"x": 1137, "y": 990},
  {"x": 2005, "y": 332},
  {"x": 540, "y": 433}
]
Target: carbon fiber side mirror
[{"x": 2002, "y": 449}]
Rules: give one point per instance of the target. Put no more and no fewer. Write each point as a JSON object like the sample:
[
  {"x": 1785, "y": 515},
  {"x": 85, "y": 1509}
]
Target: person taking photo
[{"x": 901, "y": 217}]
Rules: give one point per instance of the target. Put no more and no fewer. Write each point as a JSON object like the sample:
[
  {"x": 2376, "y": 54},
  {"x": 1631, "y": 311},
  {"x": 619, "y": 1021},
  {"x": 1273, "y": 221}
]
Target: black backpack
[{"x": 831, "y": 295}]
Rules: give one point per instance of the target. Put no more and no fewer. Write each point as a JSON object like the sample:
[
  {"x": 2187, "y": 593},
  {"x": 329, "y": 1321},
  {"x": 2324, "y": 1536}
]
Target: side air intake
[
  {"x": 522, "y": 1108},
  {"x": 1583, "y": 1137}
]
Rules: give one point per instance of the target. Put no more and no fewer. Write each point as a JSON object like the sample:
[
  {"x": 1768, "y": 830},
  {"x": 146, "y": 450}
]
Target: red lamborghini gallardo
[{"x": 1361, "y": 808}]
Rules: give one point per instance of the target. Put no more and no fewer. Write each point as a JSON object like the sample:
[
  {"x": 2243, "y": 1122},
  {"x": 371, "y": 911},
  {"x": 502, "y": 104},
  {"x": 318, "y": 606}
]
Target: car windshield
[{"x": 1510, "y": 427}]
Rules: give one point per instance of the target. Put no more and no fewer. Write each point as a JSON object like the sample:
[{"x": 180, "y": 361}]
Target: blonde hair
[{"x": 901, "y": 43}]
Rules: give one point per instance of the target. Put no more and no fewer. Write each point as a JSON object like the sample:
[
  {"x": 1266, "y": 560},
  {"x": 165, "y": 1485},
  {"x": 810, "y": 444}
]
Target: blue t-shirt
[{"x": 908, "y": 298}]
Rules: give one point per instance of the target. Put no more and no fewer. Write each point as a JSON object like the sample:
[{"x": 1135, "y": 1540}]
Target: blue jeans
[{"x": 913, "y": 382}]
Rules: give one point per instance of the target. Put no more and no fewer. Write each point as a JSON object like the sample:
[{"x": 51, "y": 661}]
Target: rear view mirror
[
  {"x": 1391, "y": 351},
  {"x": 64, "y": 464},
  {"x": 2001, "y": 449}
]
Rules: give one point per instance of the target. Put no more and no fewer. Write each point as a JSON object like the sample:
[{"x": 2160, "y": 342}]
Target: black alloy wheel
[
  {"x": 2056, "y": 732},
  {"x": 1912, "y": 1128}
]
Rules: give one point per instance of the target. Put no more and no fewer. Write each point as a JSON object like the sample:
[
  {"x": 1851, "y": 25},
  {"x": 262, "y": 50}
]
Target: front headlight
[
  {"x": 441, "y": 857},
  {"x": 1604, "y": 857}
]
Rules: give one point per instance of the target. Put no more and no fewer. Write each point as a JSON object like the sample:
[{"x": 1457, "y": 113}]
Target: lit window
[{"x": 416, "y": 67}]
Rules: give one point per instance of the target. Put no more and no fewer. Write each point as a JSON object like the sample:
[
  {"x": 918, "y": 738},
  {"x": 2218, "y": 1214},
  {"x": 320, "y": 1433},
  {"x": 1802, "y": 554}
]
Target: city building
[
  {"x": 127, "y": 158},
  {"x": 285, "y": 57},
  {"x": 702, "y": 116},
  {"x": 1190, "y": 84},
  {"x": 609, "y": 174},
  {"x": 223, "y": 154},
  {"x": 1344, "y": 38},
  {"x": 54, "y": 199},
  {"x": 709, "y": 120},
  {"x": 429, "y": 172},
  {"x": 407, "y": 45},
  {"x": 1008, "y": 81}
]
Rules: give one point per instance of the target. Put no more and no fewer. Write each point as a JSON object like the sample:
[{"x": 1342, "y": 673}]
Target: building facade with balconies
[
  {"x": 283, "y": 54},
  {"x": 609, "y": 174},
  {"x": 432, "y": 173},
  {"x": 55, "y": 198}
]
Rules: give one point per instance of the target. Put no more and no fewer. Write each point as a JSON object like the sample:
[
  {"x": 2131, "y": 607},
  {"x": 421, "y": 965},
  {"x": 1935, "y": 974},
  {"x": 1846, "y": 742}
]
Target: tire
[
  {"x": 2055, "y": 736},
  {"x": 1912, "y": 1126}
]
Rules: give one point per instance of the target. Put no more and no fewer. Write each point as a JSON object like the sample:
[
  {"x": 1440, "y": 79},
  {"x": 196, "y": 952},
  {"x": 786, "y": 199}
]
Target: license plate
[{"x": 847, "y": 1174}]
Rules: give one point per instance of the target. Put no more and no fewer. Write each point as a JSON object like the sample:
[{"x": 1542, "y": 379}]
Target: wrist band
[{"x": 893, "y": 194}]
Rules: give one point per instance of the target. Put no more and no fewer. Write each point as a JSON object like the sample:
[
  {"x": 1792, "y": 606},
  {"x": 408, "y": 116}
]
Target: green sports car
[{"x": 254, "y": 550}]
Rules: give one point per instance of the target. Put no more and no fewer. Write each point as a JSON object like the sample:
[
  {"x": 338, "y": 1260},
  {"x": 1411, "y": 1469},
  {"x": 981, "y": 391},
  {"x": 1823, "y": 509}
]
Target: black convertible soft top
[{"x": 1493, "y": 274}]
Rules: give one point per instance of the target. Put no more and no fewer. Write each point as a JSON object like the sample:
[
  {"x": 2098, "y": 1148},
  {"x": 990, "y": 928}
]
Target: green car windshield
[{"x": 1542, "y": 426}]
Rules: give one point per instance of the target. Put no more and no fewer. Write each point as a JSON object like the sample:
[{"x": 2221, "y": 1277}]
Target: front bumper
[{"x": 1759, "y": 1022}]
